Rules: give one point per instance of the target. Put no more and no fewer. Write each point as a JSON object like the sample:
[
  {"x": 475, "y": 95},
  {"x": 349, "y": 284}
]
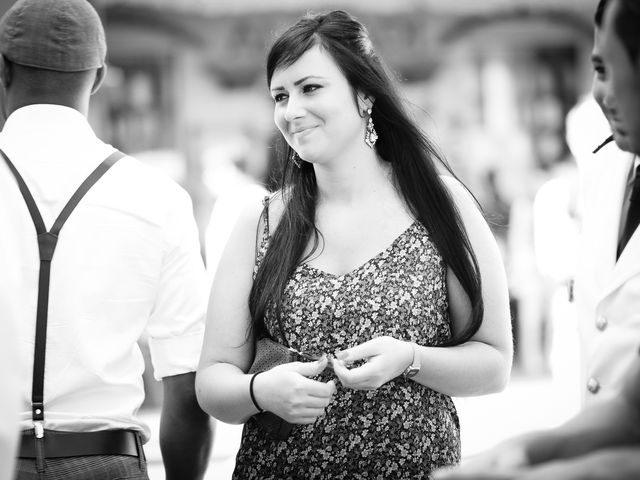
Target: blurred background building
[{"x": 491, "y": 81}]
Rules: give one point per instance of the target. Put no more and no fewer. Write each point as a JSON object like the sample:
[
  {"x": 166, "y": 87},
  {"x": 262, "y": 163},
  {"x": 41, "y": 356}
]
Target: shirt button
[
  {"x": 602, "y": 323},
  {"x": 593, "y": 385}
]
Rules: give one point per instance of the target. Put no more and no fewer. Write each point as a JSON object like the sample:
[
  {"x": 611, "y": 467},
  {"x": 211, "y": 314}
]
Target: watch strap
[{"x": 414, "y": 367}]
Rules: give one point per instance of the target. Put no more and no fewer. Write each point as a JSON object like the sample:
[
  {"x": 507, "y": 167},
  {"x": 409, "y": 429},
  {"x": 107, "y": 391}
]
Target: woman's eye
[
  {"x": 279, "y": 97},
  {"x": 310, "y": 88}
]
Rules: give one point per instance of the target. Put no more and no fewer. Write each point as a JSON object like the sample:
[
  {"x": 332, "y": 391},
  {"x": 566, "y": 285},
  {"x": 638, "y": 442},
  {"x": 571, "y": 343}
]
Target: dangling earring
[
  {"x": 295, "y": 158},
  {"x": 370, "y": 134}
]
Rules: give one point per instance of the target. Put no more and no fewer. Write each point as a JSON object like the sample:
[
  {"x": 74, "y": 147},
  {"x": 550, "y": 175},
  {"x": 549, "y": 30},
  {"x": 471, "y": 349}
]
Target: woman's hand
[
  {"x": 385, "y": 358},
  {"x": 287, "y": 391}
]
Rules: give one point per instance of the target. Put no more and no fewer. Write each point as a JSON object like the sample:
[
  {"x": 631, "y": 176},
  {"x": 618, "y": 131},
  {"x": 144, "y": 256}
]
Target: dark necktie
[{"x": 633, "y": 216}]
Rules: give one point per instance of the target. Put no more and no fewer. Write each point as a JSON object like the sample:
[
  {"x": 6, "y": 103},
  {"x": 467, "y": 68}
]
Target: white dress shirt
[
  {"x": 127, "y": 263},
  {"x": 606, "y": 289},
  {"x": 11, "y": 373}
]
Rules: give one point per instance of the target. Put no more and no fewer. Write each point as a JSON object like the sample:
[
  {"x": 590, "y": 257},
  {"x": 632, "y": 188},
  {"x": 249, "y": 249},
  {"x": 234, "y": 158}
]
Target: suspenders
[{"x": 47, "y": 241}]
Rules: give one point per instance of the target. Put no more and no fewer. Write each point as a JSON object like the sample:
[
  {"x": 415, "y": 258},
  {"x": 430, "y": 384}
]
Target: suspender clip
[{"x": 38, "y": 428}]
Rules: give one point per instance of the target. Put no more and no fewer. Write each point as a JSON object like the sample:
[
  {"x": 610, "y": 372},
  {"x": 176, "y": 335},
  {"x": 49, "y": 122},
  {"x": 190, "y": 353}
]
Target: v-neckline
[{"x": 367, "y": 262}]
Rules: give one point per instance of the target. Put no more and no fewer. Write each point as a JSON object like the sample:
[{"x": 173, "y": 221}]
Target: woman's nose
[{"x": 294, "y": 109}]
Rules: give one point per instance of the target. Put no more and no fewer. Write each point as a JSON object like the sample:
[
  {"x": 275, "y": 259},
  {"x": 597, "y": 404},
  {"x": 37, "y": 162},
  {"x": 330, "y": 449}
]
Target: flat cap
[{"x": 61, "y": 35}]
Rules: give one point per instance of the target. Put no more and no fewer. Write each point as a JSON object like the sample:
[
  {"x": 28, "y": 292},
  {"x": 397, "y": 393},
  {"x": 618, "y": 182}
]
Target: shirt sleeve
[{"x": 176, "y": 326}]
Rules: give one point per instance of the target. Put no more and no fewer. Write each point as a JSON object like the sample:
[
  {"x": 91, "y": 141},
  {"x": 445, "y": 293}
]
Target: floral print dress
[{"x": 402, "y": 430}]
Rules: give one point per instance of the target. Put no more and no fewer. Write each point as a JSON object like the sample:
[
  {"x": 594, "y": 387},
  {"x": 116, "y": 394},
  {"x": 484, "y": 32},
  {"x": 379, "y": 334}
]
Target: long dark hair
[{"x": 400, "y": 142}]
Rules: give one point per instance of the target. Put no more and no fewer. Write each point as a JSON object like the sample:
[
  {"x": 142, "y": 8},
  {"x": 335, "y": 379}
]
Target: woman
[{"x": 368, "y": 254}]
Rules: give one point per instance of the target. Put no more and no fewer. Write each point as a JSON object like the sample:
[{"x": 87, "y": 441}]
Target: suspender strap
[{"x": 47, "y": 242}]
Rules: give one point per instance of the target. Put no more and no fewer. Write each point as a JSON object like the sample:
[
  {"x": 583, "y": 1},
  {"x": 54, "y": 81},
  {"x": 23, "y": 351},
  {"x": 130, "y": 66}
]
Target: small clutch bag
[{"x": 269, "y": 354}]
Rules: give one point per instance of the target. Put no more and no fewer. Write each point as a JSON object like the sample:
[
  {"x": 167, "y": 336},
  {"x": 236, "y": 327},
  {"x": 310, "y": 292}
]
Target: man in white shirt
[
  {"x": 608, "y": 277},
  {"x": 10, "y": 371},
  {"x": 127, "y": 261}
]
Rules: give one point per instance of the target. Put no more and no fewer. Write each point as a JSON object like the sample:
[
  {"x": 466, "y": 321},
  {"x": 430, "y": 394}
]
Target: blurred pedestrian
[
  {"x": 125, "y": 260},
  {"x": 603, "y": 441},
  {"x": 366, "y": 253}
]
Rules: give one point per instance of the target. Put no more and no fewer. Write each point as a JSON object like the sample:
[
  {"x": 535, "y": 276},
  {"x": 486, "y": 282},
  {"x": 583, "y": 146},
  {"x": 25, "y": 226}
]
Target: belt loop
[
  {"x": 39, "y": 453},
  {"x": 142, "y": 461}
]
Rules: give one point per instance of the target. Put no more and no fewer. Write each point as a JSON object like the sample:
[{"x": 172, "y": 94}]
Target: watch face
[{"x": 411, "y": 371}]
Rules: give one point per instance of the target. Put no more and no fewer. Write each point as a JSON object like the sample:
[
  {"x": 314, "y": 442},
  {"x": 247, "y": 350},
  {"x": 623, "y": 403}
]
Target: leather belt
[{"x": 59, "y": 444}]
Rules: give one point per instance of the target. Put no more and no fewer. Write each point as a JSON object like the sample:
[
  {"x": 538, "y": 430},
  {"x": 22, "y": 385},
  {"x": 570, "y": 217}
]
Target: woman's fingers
[
  {"x": 293, "y": 396},
  {"x": 359, "y": 378},
  {"x": 321, "y": 389},
  {"x": 384, "y": 359},
  {"x": 359, "y": 352}
]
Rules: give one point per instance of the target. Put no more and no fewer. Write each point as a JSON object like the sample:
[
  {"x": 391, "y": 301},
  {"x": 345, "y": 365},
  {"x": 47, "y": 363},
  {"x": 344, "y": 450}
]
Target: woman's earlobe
[{"x": 365, "y": 103}]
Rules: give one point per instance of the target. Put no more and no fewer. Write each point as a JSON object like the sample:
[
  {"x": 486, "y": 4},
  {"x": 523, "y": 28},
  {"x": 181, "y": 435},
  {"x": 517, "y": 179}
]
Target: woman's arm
[
  {"x": 222, "y": 386},
  {"x": 481, "y": 365}
]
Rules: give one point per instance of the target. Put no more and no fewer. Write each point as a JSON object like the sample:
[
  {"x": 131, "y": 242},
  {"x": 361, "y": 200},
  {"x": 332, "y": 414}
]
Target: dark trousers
[{"x": 94, "y": 467}]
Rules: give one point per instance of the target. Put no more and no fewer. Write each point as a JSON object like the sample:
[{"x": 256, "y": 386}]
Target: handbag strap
[{"x": 47, "y": 241}]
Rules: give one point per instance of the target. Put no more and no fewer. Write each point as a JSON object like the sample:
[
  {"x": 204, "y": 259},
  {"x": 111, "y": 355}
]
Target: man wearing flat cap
[{"x": 107, "y": 250}]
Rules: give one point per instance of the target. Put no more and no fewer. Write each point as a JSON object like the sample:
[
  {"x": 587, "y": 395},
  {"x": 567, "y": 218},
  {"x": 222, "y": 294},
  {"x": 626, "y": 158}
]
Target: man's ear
[
  {"x": 101, "y": 74},
  {"x": 5, "y": 72}
]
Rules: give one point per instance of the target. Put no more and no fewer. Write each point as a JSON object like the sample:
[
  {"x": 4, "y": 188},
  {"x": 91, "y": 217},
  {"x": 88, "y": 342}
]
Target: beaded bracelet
[{"x": 253, "y": 398}]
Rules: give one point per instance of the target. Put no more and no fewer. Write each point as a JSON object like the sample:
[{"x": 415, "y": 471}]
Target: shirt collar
[{"x": 55, "y": 121}]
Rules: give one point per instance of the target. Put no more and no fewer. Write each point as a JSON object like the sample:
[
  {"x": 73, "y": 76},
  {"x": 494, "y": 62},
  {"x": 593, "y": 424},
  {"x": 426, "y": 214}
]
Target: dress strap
[
  {"x": 265, "y": 214},
  {"x": 263, "y": 235}
]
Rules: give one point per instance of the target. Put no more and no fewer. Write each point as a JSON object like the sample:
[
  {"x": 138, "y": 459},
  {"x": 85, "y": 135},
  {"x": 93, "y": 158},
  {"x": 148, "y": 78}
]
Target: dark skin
[
  {"x": 185, "y": 430},
  {"x": 602, "y": 442},
  {"x": 29, "y": 86}
]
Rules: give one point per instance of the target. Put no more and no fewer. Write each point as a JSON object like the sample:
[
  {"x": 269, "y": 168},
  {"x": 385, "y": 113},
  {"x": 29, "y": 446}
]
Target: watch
[{"x": 414, "y": 368}]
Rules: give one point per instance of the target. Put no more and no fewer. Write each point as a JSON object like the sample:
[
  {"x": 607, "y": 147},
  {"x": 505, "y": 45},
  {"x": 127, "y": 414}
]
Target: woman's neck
[{"x": 352, "y": 177}]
